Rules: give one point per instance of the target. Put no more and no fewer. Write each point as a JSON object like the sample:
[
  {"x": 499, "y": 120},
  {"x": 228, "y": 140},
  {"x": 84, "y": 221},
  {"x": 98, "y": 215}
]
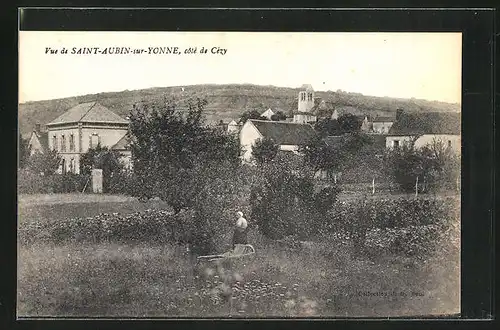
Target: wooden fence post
[
  {"x": 373, "y": 186},
  {"x": 416, "y": 187}
]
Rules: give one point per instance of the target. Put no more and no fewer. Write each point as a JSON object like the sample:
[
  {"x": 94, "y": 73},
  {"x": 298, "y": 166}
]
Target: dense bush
[
  {"x": 23, "y": 151},
  {"x": 435, "y": 166},
  {"x": 394, "y": 213},
  {"x": 264, "y": 150},
  {"x": 32, "y": 183},
  {"x": 45, "y": 163},
  {"x": 408, "y": 226},
  {"x": 105, "y": 159},
  {"x": 287, "y": 203},
  {"x": 158, "y": 226},
  {"x": 146, "y": 226},
  {"x": 123, "y": 183}
]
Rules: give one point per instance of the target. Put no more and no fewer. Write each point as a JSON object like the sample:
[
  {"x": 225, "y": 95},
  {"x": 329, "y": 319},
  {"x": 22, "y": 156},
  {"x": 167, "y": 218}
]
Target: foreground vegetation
[{"x": 129, "y": 264}]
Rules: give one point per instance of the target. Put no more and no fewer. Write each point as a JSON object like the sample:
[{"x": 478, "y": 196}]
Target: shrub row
[
  {"x": 405, "y": 226},
  {"x": 158, "y": 226},
  {"x": 139, "y": 226},
  {"x": 32, "y": 183},
  {"x": 392, "y": 213}
]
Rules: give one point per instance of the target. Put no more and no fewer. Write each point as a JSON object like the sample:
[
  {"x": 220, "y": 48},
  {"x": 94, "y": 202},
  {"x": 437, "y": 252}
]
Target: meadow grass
[
  {"x": 53, "y": 207},
  {"x": 142, "y": 280}
]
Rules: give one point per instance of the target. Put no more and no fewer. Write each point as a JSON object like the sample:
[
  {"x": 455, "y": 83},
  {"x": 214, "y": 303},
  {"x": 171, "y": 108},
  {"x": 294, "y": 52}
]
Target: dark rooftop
[
  {"x": 427, "y": 123},
  {"x": 285, "y": 133}
]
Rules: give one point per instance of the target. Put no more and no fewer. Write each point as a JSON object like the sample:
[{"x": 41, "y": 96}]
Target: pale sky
[{"x": 419, "y": 65}]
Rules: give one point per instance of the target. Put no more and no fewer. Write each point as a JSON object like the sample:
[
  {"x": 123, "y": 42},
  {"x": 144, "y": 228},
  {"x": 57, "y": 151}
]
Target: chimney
[
  {"x": 38, "y": 127},
  {"x": 399, "y": 112}
]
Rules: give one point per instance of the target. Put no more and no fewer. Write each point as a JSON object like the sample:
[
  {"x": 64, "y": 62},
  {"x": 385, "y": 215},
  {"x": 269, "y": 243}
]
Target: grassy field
[
  {"x": 324, "y": 278},
  {"x": 58, "y": 206}
]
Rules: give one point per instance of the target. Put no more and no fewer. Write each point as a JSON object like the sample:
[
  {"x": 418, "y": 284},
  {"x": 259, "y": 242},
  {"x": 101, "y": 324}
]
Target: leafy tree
[
  {"x": 186, "y": 163},
  {"x": 441, "y": 164},
  {"x": 328, "y": 127},
  {"x": 405, "y": 165},
  {"x": 174, "y": 152},
  {"x": 102, "y": 158},
  {"x": 434, "y": 165},
  {"x": 360, "y": 150},
  {"x": 279, "y": 115},
  {"x": 251, "y": 114},
  {"x": 355, "y": 153},
  {"x": 264, "y": 150},
  {"x": 320, "y": 156},
  {"x": 45, "y": 163},
  {"x": 284, "y": 202},
  {"x": 349, "y": 123},
  {"x": 24, "y": 151}
]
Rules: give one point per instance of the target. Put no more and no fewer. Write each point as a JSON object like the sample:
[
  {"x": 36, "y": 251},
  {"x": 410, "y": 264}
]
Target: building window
[
  {"x": 449, "y": 144},
  {"x": 72, "y": 165},
  {"x": 71, "y": 142},
  {"x": 94, "y": 141},
  {"x": 63, "y": 166},
  {"x": 395, "y": 143},
  {"x": 54, "y": 142},
  {"x": 302, "y": 96},
  {"x": 309, "y": 96},
  {"x": 63, "y": 143}
]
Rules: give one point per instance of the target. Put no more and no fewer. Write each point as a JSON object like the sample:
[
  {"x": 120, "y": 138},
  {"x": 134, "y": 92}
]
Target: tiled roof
[
  {"x": 89, "y": 112},
  {"x": 384, "y": 119},
  {"x": 43, "y": 138},
  {"x": 305, "y": 113},
  {"x": 375, "y": 140},
  {"x": 284, "y": 133},
  {"x": 122, "y": 144},
  {"x": 307, "y": 87},
  {"x": 427, "y": 123},
  {"x": 267, "y": 113}
]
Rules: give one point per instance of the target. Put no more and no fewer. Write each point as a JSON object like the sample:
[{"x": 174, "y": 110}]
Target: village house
[
  {"x": 123, "y": 148},
  {"x": 425, "y": 128},
  {"x": 289, "y": 136},
  {"x": 366, "y": 123},
  {"x": 382, "y": 125},
  {"x": 233, "y": 127},
  {"x": 268, "y": 114},
  {"x": 38, "y": 141},
  {"x": 84, "y": 127}
]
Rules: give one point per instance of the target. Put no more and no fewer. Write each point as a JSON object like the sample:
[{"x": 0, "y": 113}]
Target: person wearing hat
[{"x": 240, "y": 231}]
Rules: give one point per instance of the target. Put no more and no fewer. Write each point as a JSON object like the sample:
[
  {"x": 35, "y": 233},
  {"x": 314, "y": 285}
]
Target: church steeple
[
  {"x": 305, "y": 105},
  {"x": 306, "y": 98}
]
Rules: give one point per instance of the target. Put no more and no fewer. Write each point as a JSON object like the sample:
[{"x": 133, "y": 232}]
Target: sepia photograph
[{"x": 239, "y": 174}]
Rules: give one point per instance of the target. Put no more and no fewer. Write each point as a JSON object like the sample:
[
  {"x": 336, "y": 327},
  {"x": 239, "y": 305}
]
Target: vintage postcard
[{"x": 239, "y": 174}]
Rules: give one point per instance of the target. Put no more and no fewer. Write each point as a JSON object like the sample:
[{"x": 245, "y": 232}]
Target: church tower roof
[{"x": 307, "y": 87}]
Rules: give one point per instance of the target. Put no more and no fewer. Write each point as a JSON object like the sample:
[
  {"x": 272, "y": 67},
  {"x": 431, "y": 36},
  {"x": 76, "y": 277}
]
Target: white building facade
[{"x": 81, "y": 128}]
